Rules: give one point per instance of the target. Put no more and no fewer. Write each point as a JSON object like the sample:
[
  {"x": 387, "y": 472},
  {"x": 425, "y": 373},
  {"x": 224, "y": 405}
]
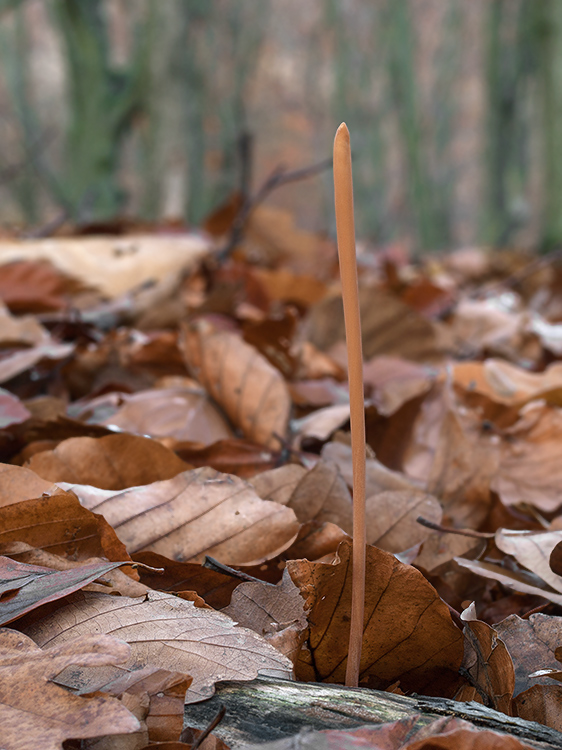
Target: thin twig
[
  {"x": 449, "y": 530},
  {"x": 219, "y": 567}
]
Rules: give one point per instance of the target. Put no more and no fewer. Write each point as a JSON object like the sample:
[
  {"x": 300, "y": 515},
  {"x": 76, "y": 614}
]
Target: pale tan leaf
[
  {"x": 392, "y": 518},
  {"x": 532, "y": 550},
  {"x": 165, "y": 631},
  {"x": 197, "y": 513}
]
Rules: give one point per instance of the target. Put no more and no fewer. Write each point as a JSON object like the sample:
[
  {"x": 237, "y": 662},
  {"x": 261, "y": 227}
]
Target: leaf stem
[{"x": 343, "y": 192}]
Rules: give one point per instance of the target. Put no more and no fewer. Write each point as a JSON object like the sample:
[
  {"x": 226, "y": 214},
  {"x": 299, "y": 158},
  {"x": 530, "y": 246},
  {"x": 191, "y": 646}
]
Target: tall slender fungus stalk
[{"x": 343, "y": 191}]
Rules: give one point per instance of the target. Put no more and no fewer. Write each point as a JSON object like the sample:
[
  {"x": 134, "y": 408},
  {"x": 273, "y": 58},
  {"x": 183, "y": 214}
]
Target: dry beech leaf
[
  {"x": 439, "y": 548},
  {"x": 276, "y": 612},
  {"x": 34, "y": 712},
  {"x": 114, "y": 581},
  {"x": 487, "y": 661},
  {"x": 518, "y": 581},
  {"x": 179, "y": 413},
  {"x": 408, "y": 635},
  {"x": 532, "y": 549},
  {"x": 59, "y": 523},
  {"x": 395, "y": 381},
  {"x": 541, "y": 703},
  {"x": 113, "y": 462},
  {"x": 240, "y": 457},
  {"x": 197, "y": 513},
  {"x": 214, "y": 587},
  {"x": 17, "y": 483},
  {"x": 532, "y": 644},
  {"x": 321, "y": 423},
  {"x": 12, "y": 410},
  {"x": 391, "y": 519},
  {"x": 164, "y": 631},
  {"x": 25, "y": 587},
  {"x": 505, "y": 383},
  {"x": 251, "y": 391},
  {"x": 319, "y": 494},
  {"x": 530, "y": 470},
  {"x": 23, "y": 360},
  {"x": 378, "y": 477}
]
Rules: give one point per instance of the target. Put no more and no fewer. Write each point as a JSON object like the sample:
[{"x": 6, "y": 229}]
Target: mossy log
[{"x": 266, "y": 709}]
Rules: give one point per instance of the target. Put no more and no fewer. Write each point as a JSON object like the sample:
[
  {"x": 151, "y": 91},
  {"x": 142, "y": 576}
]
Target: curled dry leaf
[
  {"x": 197, "y": 513},
  {"x": 518, "y": 581},
  {"x": 250, "y": 390},
  {"x": 167, "y": 632},
  {"x": 113, "y": 462},
  {"x": 408, "y": 635},
  {"x": 319, "y": 494},
  {"x": 321, "y": 423},
  {"x": 34, "y": 712},
  {"x": 487, "y": 661},
  {"x": 532, "y": 549},
  {"x": 391, "y": 519},
  {"x": 530, "y": 470},
  {"x": 25, "y": 587}
]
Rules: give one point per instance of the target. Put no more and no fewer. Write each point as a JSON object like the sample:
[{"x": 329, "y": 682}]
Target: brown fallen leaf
[
  {"x": 22, "y": 330},
  {"x": 179, "y": 413},
  {"x": 275, "y": 612},
  {"x": 35, "y": 712},
  {"x": 391, "y": 518},
  {"x": 113, "y": 462},
  {"x": 35, "y": 287},
  {"x": 532, "y": 549},
  {"x": 408, "y": 635},
  {"x": 395, "y": 381},
  {"x": 541, "y": 703},
  {"x": 197, "y": 513},
  {"x": 516, "y": 580},
  {"x": 532, "y": 643},
  {"x": 58, "y": 522},
  {"x": 389, "y": 327},
  {"x": 214, "y": 587},
  {"x": 166, "y": 632},
  {"x": 319, "y": 494},
  {"x": 47, "y": 353},
  {"x": 378, "y": 477},
  {"x": 12, "y": 410},
  {"x": 17, "y": 483},
  {"x": 530, "y": 470},
  {"x": 320, "y": 424},
  {"x": 240, "y": 457},
  {"x": 156, "y": 697},
  {"x": 25, "y": 587},
  {"x": 487, "y": 661},
  {"x": 250, "y": 390}
]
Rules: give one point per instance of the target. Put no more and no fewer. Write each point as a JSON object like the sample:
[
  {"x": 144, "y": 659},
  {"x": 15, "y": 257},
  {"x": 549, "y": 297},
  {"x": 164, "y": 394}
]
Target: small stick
[{"x": 343, "y": 191}]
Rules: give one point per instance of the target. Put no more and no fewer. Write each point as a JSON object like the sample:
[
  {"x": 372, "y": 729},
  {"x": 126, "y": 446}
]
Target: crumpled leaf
[
  {"x": 250, "y": 390},
  {"x": 35, "y": 712},
  {"x": 197, "y": 513},
  {"x": 25, "y": 587},
  {"x": 532, "y": 549},
  {"x": 408, "y": 636},
  {"x": 487, "y": 661},
  {"x": 167, "y": 632},
  {"x": 113, "y": 462}
]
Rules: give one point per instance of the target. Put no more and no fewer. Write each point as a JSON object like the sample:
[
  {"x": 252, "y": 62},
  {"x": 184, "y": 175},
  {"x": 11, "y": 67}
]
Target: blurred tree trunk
[
  {"x": 548, "y": 30},
  {"x": 102, "y": 103}
]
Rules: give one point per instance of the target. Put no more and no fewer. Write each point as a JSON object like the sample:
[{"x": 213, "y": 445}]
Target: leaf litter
[{"x": 208, "y": 416}]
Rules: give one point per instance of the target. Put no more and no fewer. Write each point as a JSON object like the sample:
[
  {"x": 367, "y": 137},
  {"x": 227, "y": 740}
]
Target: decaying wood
[{"x": 265, "y": 709}]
